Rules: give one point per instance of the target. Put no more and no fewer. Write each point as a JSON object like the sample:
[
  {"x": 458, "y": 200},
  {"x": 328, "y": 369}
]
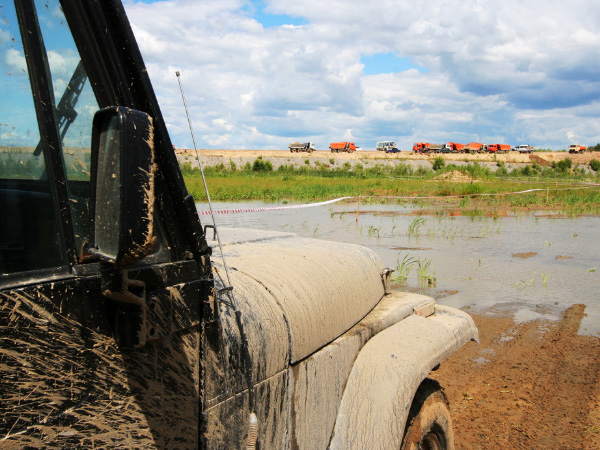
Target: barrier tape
[
  {"x": 494, "y": 194},
  {"x": 271, "y": 208},
  {"x": 329, "y": 202}
]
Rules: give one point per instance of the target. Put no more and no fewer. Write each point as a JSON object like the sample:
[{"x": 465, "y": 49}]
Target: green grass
[
  {"x": 261, "y": 182},
  {"x": 403, "y": 269}
]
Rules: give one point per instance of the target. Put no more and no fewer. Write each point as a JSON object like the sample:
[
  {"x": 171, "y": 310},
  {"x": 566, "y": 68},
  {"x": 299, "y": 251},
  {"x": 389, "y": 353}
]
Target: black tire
[{"x": 429, "y": 426}]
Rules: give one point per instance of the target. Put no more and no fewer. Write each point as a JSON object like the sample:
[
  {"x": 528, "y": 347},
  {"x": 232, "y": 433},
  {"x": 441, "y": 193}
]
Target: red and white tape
[{"x": 270, "y": 208}]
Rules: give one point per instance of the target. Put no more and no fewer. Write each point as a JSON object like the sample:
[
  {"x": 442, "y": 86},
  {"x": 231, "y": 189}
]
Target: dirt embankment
[
  {"x": 511, "y": 157},
  {"x": 529, "y": 386}
]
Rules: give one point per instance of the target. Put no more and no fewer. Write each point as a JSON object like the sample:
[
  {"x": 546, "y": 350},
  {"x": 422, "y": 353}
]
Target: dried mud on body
[{"x": 533, "y": 385}]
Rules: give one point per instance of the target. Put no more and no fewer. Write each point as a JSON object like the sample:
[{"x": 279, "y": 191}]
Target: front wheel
[{"x": 429, "y": 426}]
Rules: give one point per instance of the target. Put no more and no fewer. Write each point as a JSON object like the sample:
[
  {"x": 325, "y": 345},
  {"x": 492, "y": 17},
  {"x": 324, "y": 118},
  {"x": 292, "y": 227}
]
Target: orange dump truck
[
  {"x": 337, "y": 147},
  {"x": 453, "y": 147},
  {"x": 474, "y": 147},
  {"x": 425, "y": 147},
  {"x": 574, "y": 148},
  {"x": 419, "y": 147},
  {"x": 498, "y": 148}
]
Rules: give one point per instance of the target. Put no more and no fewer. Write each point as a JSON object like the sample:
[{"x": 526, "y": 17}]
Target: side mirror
[{"x": 122, "y": 185}]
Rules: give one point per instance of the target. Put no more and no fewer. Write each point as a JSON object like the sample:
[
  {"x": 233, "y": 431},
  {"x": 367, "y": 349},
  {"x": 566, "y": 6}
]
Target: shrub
[
  {"x": 402, "y": 170},
  {"x": 471, "y": 189},
  {"x": 594, "y": 148},
  {"x": 423, "y": 171},
  {"x": 563, "y": 165},
  {"x": 595, "y": 165},
  {"x": 477, "y": 171},
  {"x": 375, "y": 171},
  {"x": 262, "y": 166},
  {"x": 438, "y": 163},
  {"x": 219, "y": 168},
  {"x": 186, "y": 168}
]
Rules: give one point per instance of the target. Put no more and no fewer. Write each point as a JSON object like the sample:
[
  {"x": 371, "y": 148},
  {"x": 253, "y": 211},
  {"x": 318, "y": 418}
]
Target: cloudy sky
[{"x": 260, "y": 74}]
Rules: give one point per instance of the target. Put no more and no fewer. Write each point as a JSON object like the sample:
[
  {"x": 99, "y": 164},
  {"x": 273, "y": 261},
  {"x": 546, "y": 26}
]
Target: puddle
[
  {"x": 470, "y": 256},
  {"x": 526, "y": 315}
]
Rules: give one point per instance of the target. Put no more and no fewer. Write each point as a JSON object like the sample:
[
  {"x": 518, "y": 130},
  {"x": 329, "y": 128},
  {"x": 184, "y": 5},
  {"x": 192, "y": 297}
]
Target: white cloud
[
  {"x": 222, "y": 124},
  {"x": 514, "y": 71},
  {"x": 16, "y": 60}
]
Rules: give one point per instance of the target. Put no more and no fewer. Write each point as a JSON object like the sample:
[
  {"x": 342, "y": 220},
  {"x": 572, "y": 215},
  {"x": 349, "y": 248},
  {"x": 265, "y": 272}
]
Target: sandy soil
[
  {"x": 512, "y": 157},
  {"x": 529, "y": 386}
]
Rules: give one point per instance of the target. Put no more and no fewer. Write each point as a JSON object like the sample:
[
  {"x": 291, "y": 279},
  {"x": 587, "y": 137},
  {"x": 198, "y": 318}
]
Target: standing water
[{"x": 532, "y": 264}]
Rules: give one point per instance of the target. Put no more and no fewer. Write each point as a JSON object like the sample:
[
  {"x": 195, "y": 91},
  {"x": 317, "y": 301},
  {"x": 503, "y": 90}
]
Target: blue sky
[
  {"x": 258, "y": 10},
  {"x": 386, "y": 63},
  {"x": 260, "y": 74}
]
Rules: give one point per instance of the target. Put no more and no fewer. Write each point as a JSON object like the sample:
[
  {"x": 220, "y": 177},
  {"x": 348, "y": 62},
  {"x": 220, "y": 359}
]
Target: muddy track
[{"x": 534, "y": 385}]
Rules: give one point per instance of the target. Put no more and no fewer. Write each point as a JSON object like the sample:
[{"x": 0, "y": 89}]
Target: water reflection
[{"x": 475, "y": 258}]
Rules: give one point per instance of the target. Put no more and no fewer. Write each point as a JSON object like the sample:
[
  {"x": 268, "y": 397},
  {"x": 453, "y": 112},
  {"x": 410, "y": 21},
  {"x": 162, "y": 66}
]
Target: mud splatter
[{"x": 524, "y": 255}]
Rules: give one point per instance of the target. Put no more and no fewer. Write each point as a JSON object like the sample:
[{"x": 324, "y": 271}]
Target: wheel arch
[{"x": 387, "y": 373}]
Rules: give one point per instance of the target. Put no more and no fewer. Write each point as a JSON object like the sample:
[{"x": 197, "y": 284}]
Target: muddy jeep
[{"x": 121, "y": 329}]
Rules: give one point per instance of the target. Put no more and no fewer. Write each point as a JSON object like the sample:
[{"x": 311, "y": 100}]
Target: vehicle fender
[{"x": 387, "y": 373}]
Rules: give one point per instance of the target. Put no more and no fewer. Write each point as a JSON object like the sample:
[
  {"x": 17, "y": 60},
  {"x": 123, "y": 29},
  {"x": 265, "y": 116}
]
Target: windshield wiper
[{"x": 65, "y": 111}]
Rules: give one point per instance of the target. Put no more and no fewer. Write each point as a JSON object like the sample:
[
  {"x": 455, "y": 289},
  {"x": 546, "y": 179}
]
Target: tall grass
[
  {"x": 403, "y": 269},
  {"x": 260, "y": 181}
]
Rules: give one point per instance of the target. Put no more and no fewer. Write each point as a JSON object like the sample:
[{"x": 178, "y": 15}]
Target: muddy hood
[{"x": 306, "y": 292}]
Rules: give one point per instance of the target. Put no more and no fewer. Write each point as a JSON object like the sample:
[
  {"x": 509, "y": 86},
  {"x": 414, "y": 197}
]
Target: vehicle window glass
[
  {"x": 30, "y": 235},
  {"x": 75, "y": 106}
]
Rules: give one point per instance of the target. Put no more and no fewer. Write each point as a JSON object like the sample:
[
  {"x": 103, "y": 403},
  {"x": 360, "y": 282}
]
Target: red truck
[
  {"x": 419, "y": 147},
  {"x": 337, "y": 147},
  {"x": 498, "y": 148}
]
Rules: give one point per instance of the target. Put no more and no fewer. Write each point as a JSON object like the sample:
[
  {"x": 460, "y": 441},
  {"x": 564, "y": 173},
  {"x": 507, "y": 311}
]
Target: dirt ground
[
  {"x": 511, "y": 157},
  {"x": 528, "y": 386}
]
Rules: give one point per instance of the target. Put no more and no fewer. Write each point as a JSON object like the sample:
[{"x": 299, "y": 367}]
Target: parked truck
[
  {"x": 337, "y": 147},
  {"x": 302, "y": 147},
  {"x": 126, "y": 325},
  {"x": 575, "y": 148},
  {"x": 425, "y": 147},
  {"x": 453, "y": 147},
  {"x": 497, "y": 148},
  {"x": 474, "y": 147}
]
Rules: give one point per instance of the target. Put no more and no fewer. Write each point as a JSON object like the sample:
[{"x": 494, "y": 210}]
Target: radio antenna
[
  {"x": 230, "y": 286},
  {"x": 228, "y": 290}
]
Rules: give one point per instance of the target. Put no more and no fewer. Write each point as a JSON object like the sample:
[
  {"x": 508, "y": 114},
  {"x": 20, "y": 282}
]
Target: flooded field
[{"x": 531, "y": 264}]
